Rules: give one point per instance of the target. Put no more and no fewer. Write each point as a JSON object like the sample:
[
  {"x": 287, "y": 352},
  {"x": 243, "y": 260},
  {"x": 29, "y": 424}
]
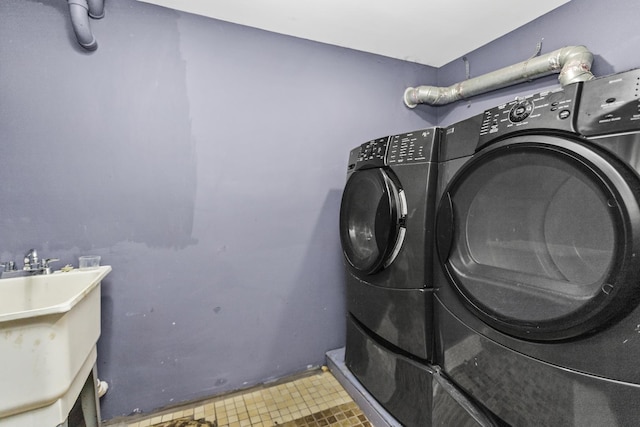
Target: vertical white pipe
[{"x": 80, "y": 11}]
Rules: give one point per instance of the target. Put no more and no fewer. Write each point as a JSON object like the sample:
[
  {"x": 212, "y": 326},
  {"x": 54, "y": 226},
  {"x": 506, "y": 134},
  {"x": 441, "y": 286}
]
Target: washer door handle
[{"x": 444, "y": 227}]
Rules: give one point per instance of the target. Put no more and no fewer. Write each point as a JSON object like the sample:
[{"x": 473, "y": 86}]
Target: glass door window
[
  {"x": 370, "y": 219},
  {"x": 537, "y": 236}
]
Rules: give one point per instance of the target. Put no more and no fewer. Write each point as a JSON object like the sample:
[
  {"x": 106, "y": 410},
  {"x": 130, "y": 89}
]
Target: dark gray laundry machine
[
  {"x": 386, "y": 230},
  {"x": 538, "y": 252}
]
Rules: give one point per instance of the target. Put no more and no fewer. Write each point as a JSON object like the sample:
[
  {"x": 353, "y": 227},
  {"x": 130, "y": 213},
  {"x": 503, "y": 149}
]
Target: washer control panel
[
  {"x": 407, "y": 148},
  {"x": 373, "y": 150},
  {"x": 551, "y": 110},
  {"x": 610, "y": 105}
]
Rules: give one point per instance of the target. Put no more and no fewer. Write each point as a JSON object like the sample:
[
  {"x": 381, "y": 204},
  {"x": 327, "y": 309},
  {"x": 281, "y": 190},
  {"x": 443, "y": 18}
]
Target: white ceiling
[{"x": 428, "y": 32}]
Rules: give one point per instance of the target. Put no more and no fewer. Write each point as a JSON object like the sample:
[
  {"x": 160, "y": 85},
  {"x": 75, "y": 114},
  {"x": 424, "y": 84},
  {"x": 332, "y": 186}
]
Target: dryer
[
  {"x": 386, "y": 230},
  {"x": 538, "y": 252}
]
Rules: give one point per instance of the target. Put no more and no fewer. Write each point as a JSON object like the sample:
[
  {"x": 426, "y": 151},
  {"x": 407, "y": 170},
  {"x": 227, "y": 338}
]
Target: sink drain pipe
[
  {"x": 81, "y": 11},
  {"x": 572, "y": 62}
]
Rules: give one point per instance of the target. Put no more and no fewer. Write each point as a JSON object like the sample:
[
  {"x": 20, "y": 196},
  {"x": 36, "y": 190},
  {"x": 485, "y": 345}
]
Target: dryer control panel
[
  {"x": 544, "y": 110},
  {"x": 414, "y": 147},
  {"x": 610, "y": 105}
]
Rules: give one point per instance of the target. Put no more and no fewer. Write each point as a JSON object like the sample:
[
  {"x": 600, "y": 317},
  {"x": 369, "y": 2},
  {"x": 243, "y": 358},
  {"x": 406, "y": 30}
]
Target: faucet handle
[
  {"x": 45, "y": 264},
  {"x": 46, "y": 261},
  {"x": 8, "y": 266}
]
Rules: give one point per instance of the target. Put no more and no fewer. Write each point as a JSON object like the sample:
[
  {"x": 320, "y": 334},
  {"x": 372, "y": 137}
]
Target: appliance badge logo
[{"x": 450, "y": 131}]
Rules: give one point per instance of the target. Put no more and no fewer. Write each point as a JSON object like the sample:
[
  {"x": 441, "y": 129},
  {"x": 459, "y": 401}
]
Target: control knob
[{"x": 520, "y": 111}]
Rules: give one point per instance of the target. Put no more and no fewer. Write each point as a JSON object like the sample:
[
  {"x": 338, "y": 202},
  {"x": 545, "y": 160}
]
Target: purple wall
[
  {"x": 205, "y": 162},
  {"x": 608, "y": 29}
]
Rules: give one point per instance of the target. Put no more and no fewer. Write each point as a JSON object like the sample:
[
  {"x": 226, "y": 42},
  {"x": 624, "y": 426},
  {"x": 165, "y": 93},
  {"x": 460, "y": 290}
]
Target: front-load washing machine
[
  {"x": 538, "y": 248},
  {"x": 386, "y": 230}
]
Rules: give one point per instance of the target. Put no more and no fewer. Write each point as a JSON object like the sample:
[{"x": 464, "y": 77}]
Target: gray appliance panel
[
  {"x": 525, "y": 391},
  {"x": 416, "y": 394},
  {"x": 402, "y": 386},
  {"x": 610, "y": 105},
  {"x": 403, "y": 318}
]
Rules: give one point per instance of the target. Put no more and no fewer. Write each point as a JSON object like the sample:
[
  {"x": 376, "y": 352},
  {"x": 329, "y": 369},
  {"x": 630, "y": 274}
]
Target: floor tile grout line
[{"x": 284, "y": 403}]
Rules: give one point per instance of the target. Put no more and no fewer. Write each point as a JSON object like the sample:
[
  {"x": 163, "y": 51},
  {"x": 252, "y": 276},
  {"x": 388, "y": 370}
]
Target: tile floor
[{"x": 314, "y": 399}]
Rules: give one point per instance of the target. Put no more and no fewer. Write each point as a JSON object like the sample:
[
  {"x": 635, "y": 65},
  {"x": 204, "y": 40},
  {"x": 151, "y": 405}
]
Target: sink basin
[{"x": 49, "y": 327}]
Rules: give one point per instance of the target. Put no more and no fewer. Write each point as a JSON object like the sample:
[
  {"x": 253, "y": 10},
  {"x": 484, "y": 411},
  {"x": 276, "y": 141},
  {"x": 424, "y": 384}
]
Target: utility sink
[{"x": 49, "y": 327}]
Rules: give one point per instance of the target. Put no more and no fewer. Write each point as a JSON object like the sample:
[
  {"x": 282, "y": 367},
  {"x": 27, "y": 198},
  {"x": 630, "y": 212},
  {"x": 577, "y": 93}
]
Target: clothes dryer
[
  {"x": 538, "y": 244},
  {"x": 386, "y": 229}
]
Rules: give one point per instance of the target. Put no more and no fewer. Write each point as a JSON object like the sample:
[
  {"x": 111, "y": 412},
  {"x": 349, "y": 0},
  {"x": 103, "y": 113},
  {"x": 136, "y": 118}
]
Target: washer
[
  {"x": 386, "y": 229},
  {"x": 538, "y": 252}
]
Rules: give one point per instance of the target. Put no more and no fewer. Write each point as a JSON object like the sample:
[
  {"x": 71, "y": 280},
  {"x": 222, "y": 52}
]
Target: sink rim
[{"x": 96, "y": 277}]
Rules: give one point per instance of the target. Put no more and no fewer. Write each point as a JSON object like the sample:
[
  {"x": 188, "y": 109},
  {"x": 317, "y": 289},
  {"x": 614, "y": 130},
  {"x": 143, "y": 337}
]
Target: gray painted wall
[
  {"x": 205, "y": 162},
  {"x": 608, "y": 29}
]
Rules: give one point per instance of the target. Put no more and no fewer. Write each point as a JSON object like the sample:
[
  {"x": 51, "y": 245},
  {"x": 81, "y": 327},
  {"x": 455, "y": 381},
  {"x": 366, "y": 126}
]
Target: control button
[
  {"x": 554, "y": 108},
  {"x": 554, "y": 104},
  {"x": 520, "y": 111},
  {"x": 564, "y": 114},
  {"x": 610, "y": 100}
]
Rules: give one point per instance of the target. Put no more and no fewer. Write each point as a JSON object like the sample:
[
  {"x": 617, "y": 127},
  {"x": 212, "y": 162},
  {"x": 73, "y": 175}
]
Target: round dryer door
[
  {"x": 540, "y": 237},
  {"x": 372, "y": 216}
]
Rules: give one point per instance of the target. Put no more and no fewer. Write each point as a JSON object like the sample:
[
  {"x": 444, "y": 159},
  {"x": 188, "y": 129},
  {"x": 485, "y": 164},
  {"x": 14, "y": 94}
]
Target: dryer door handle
[{"x": 444, "y": 227}]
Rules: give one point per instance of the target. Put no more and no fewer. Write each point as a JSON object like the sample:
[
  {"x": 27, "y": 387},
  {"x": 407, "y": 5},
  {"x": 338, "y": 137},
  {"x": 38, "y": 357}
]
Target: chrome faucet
[
  {"x": 31, "y": 260},
  {"x": 35, "y": 265},
  {"x": 32, "y": 266}
]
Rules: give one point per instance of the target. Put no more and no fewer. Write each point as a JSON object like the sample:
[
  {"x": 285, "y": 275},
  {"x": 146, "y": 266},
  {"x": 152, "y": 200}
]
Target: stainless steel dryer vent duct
[
  {"x": 81, "y": 11},
  {"x": 572, "y": 62}
]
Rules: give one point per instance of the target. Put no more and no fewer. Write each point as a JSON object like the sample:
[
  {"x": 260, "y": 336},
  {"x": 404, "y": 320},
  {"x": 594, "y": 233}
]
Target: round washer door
[
  {"x": 540, "y": 237},
  {"x": 372, "y": 218}
]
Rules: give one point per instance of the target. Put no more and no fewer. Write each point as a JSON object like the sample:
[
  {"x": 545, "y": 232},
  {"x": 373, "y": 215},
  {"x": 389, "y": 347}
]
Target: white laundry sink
[{"x": 49, "y": 327}]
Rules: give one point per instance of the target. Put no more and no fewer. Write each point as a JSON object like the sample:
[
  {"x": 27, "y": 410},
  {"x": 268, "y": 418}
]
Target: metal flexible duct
[
  {"x": 572, "y": 62},
  {"x": 80, "y": 11}
]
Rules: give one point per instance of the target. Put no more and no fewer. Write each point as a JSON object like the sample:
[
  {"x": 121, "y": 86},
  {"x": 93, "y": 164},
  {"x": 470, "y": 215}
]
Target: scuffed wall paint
[
  {"x": 205, "y": 162},
  {"x": 98, "y": 151}
]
